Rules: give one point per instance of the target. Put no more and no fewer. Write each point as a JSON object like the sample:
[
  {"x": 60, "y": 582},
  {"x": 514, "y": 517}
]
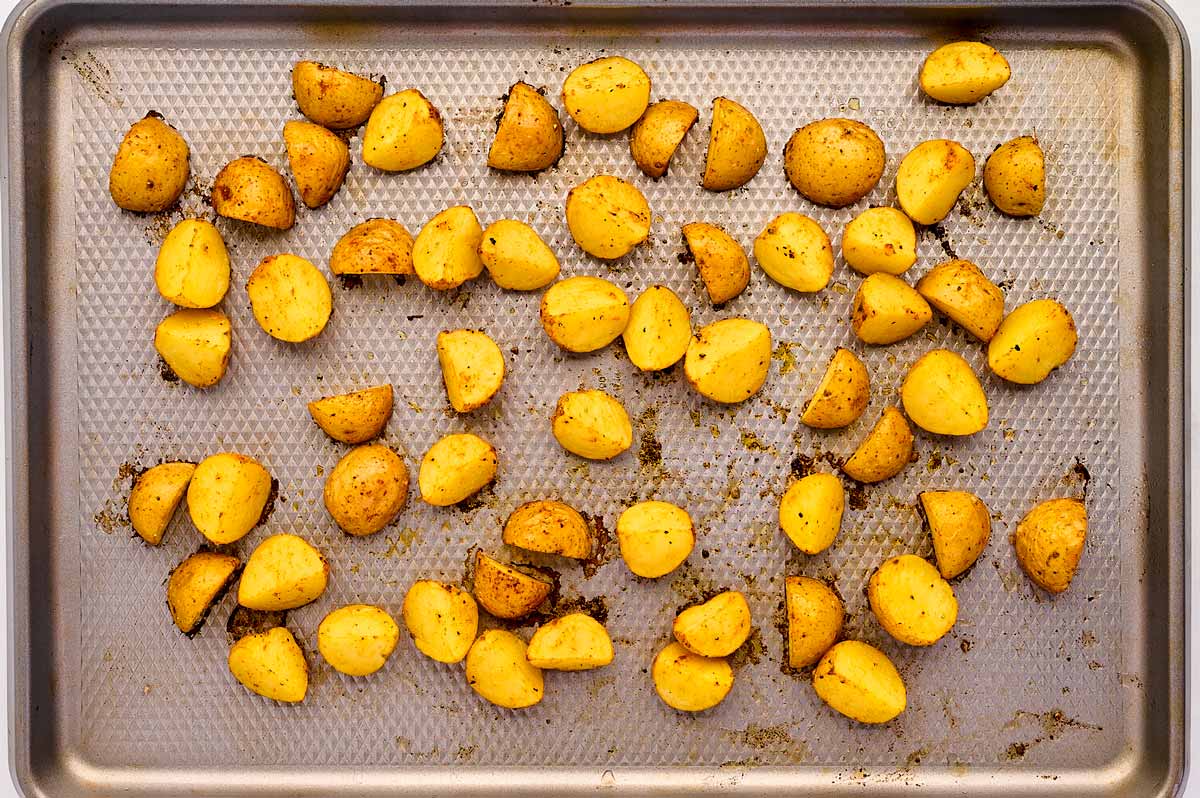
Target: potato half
[
  {"x": 720, "y": 259},
  {"x": 961, "y": 73},
  {"x": 885, "y": 451},
  {"x": 376, "y": 246},
  {"x": 250, "y": 190},
  {"x": 655, "y": 538},
  {"x": 657, "y": 135},
  {"x": 860, "y": 682},
  {"x": 574, "y": 642},
  {"x": 270, "y": 664},
  {"x": 196, "y": 584},
  {"x": 930, "y": 178},
  {"x": 498, "y": 670},
  {"x": 227, "y": 496},
  {"x": 150, "y": 167},
  {"x": 367, "y": 489},
  {"x": 446, "y": 252},
  {"x": 354, "y": 417},
  {"x": 357, "y": 639},
  {"x": 880, "y": 240},
  {"x": 516, "y": 257},
  {"x": 455, "y": 468},
  {"x": 606, "y": 95},
  {"x": 815, "y": 616},
  {"x": 1049, "y": 542},
  {"x": 960, "y": 525},
  {"x": 941, "y": 394},
  {"x": 728, "y": 360},
  {"x": 442, "y": 620},
  {"x": 192, "y": 267},
  {"x": 716, "y": 628},
  {"x": 912, "y": 601},
  {"x": 841, "y": 396},
  {"x": 795, "y": 252},
  {"x": 810, "y": 512},
  {"x": 736, "y": 147},
  {"x": 1033, "y": 341},
  {"x": 1015, "y": 177},
  {"x": 886, "y": 310},
  {"x": 319, "y": 161},
  {"x": 529, "y": 135},
  {"x": 332, "y": 97},
  {"x": 155, "y": 497},
  {"x": 508, "y": 592},
  {"x": 960, "y": 290},
  {"x": 283, "y": 572},
  {"x": 549, "y": 527},
  {"x": 472, "y": 368},
  {"x": 690, "y": 682},
  {"x": 195, "y": 343},
  {"x": 403, "y": 132},
  {"x": 607, "y": 216},
  {"x": 290, "y": 298},
  {"x": 583, "y": 314},
  {"x": 659, "y": 329},
  {"x": 834, "y": 162},
  {"x": 591, "y": 424}
]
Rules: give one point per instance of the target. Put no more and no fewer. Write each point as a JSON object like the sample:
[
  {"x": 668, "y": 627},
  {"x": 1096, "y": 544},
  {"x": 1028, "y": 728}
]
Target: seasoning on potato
[
  {"x": 960, "y": 525},
  {"x": 472, "y": 368},
  {"x": 516, "y": 257},
  {"x": 283, "y": 572},
  {"x": 657, "y": 135},
  {"x": 196, "y": 584},
  {"x": 607, "y": 216},
  {"x": 795, "y": 252},
  {"x": 1015, "y": 177},
  {"x": 583, "y": 314},
  {"x": 498, "y": 669},
  {"x": 227, "y": 496},
  {"x": 810, "y": 512},
  {"x": 834, "y": 162},
  {"x": 270, "y": 664},
  {"x": 441, "y": 618},
  {"x": 930, "y": 178},
  {"x": 403, "y": 132},
  {"x": 912, "y": 601},
  {"x": 814, "y": 619},
  {"x": 192, "y": 267},
  {"x": 690, "y": 682},
  {"x": 367, "y": 489},
  {"x": 250, "y": 190},
  {"x": 720, "y": 259},
  {"x": 195, "y": 344},
  {"x": 606, "y": 95},
  {"x": 880, "y": 240},
  {"x": 376, "y": 246},
  {"x": 357, "y": 639},
  {"x": 574, "y": 642},
  {"x": 446, "y": 252},
  {"x": 591, "y": 424},
  {"x": 155, "y": 497},
  {"x": 962, "y": 292},
  {"x": 727, "y": 361},
  {"x": 455, "y": 468},
  {"x": 961, "y": 73},
  {"x": 886, "y": 310},
  {"x": 941, "y": 394},
  {"x": 290, "y": 298},
  {"x": 1049, "y": 542},
  {"x": 736, "y": 147},
  {"x": 715, "y": 628},
  {"x": 659, "y": 329},
  {"x": 332, "y": 97},
  {"x": 841, "y": 396},
  {"x": 355, "y": 417},
  {"x": 319, "y": 161},
  {"x": 860, "y": 682},
  {"x": 150, "y": 168},
  {"x": 886, "y": 450},
  {"x": 1032, "y": 341},
  {"x": 529, "y": 136},
  {"x": 655, "y": 538},
  {"x": 549, "y": 527}
]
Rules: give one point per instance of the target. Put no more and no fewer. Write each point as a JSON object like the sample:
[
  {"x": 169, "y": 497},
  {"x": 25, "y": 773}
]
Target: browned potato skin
[
  {"x": 367, "y": 489},
  {"x": 657, "y": 135},
  {"x": 737, "y": 147},
  {"x": 549, "y": 527},
  {"x": 529, "y": 135},
  {"x": 376, "y": 246},
  {"x": 815, "y": 616},
  {"x": 249, "y": 190},
  {"x": 150, "y": 168},
  {"x": 886, "y": 450},
  {"x": 1015, "y": 177},
  {"x": 332, "y": 97},
  {"x": 1049, "y": 542},
  {"x": 723, "y": 265},
  {"x": 364, "y": 413},
  {"x": 834, "y": 162},
  {"x": 841, "y": 396},
  {"x": 959, "y": 289},
  {"x": 505, "y": 591},
  {"x": 319, "y": 161},
  {"x": 196, "y": 584}
]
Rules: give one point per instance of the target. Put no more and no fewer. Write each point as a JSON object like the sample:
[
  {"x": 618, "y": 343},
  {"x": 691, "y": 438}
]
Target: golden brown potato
[
  {"x": 814, "y": 616},
  {"x": 354, "y": 417},
  {"x": 549, "y": 527},
  {"x": 1015, "y": 177},
  {"x": 195, "y": 344},
  {"x": 270, "y": 664},
  {"x": 283, "y": 572},
  {"x": 442, "y": 620},
  {"x": 516, "y": 257},
  {"x": 1049, "y": 542},
  {"x": 931, "y": 177},
  {"x": 880, "y": 240},
  {"x": 506, "y": 591},
  {"x": 574, "y": 642},
  {"x": 960, "y": 290},
  {"x": 227, "y": 496},
  {"x": 860, "y": 682},
  {"x": 720, "y": 259},
  {"x": 655, "y": 538},
  {"x": 583, "y": 314},
  {"x": 607, "y": 216},
  {"x": 497, "y": 669},
  {"x": 810, "y": 512},
  {"x": 333, "y": 98},
  {"x": 529, "y": 136},
  {"x": 1032, "y": 341},
  {"x": 960, "y": 526},
  {"x": 155, "y": 497},
  {"x": 591, "y": 424},
  {"x": 795, "y": 252},
  {"x": 196, "y": 584},
  {"x": 290, "y": 298},
  {"x": 367, "y": 489},
  {"x": 357, "y": 639},
  {"x": 377, "y": 246},
  {"x": 941, "y": 394},
  {"x": 886, "y": 310},
  {"x": 841, "y": 396},
  {"x": 606, "y": 95},
  {"x": 912, "y": 601},
  {"x": 736, "y": 147},
  {"x": 446, "y": 252},
  {"x": 716, "y": 628},
  {"x": 690, "y": 682},
  {"x": 659, "y": 329},
  {"x": 319, "y": 161},
  {"x": 192, "y": 267},
  {"x": 659, "y": 132},
  {"x": 962, "y": 73},
  {"x": 455, "y": 468},
  {"x": 885, "y": 451},
  {"x": 403, "y": 132},
  {"x": 727, "y": 361},
  {"x": 472, "y": 368},
  {"x": 250, "y": 190},
  {"x": 150, "y": 168},
  {"x": 834, "y": 162}
]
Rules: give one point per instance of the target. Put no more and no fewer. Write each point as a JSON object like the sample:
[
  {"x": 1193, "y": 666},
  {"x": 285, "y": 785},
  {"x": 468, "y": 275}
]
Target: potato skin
[
  {"x": 659, "y": 329},
  {"x": 607, "y": 216},
  {"x": 962, "y": 292},
  {"x": 549, "y": 527},
  {"x": 319, "y": 161},
  {"x": 376, "y": 246},
  {"x": 912, "y": 601},
  {"x": 192, "y": 267},
  {"x": 715, "y": 628},
  {"x": 795, "y": 252},
  {"x": 810, "y": 512},
  {"x": 1032, "y": 341},
  {"x": 290, "y": 298},
  {"x": 516, "y": 257},
  {"x": 250, "y": 190},
  {"x": 442, "y": 620},
  {"x": 880, "y": 240},
  {"x": 332, "y": 97},
  {"x": 283, "y": 572},
  {"x": 886, "y": 310},
  {"x": 1049, "y": 542},
  {"x": 195, "y": 344},
  {"x": 367, "y": 489},
  {"x": 357, "y": 639},
  {"x": 657, "y": 135},
  {"x": 841, "y": 396},
  {"x": 498, "y": 670},
  {"x": 860, "y": 682},
  {"x": 472, "y": 368},
  {"x": 271, "y": 664},
  {"x": 834, "y": 162},
  {"x": 737, "y": 147},
  {"x": 446, "y": 252},
  {"x": 574, "y": 642},
  {"x": 655, "y": 538},
  {"x": 403, "y": 132},
  {"x": 815, "y": 616},
  {"x": 227, "y": 496},
  {"x": 930, "y": 178},
  {"x": 690, "y": 682},
  {"x": 961, "y": 73},
  {"x": 591, "y": 424},
  {"x": 728, "y": 360},
  {"x": 583, "y": 314},
  {"x": 455, "y": 467},
  {"x": 960, "y": 525},
  {"x": 720, "y": 259},
  {"x": 606, "y": 95},
  {"x": 529, "y": 135},
  {"x": 1015, "y": 177},
  {"x": 156, "y": 496},
  {"x": 885, "y": 451},
  {"x": 196, "y": 584},
  {"x": 150, "y": 167},
  {"x": 942, "y": 395},
  {"x": 355, "y": 417}
]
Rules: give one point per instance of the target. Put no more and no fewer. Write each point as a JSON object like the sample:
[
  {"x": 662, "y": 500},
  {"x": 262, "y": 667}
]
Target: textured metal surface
[{"x": 1023, "y": 685}]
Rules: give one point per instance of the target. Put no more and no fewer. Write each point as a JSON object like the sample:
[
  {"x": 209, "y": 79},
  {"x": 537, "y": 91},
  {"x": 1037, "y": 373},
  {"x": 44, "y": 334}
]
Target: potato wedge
[
  {"x": 583, "y": 314},
  {"x": 841, "y": 396},
  {"x": 357, "y": 639},
  {"x": 690, "y": 682},
  {"x": 810, "y": 512},
  {"x": 1049, "y": 542},
  {"x": 962, "y": 73},
  {"x": 156, "y": 496},
  {"x": 655, "y": 538},
  {"x": 931, "y": 177},
  {"x": 150, "y": 167},
  {"x": 657, "y": 135},
  {"x": 516, "y": 257},
  {"x": 446, "y": 252},
  {"x": 283, "y": 572},
  {"x": 885, "y": 451},
  {"x": 250, "y": 190},
  {"x": 574, "y": 642},
  {"x": 549, "y": 527},
  {"x": 403, "y": 132},
  {"x": 860, "y": 682},
  {"x": 941, "y": 394},
  {"x": 498, "y": 670},
  {"x": 367, "y": 489},
  {"x": 506, "y": 591},
  {"x": 290, "y": 298},
  {"x": 332, "y": 97},
  {"x": 960, "y": 290},
  {"x": 192, "y": 267},
  {"x": 659, "y": 329},
  {"x": 1015, "y": 177},
  {"x": 727, "y": 361},
  {"x": 1033, "y": 341},
  {"x": 737, "y": 147},
  {"x": 607, "y": 216},
  {"x": 715, "y": 628},
  {"x": 795, "y": 252},
  {"x": 196, "y": 584},
  {"x": 720, "y": 259},
  {"x": 960, "y": 525},
  {"x": 472, "y": 368},
  {"x": 442, "y": 620},
  {"x": 319, "y": 161},
  {"x": 886, "y": 310},
  {"x": 270, "y": 664},
  {"x": 227, "y": 496},
  {"x": 880, "y": 240},
  {"x": 455, "y": 468},
  {"x": 815, "y": 616},
  {"x": 529, "y": 135},
  {"x": 195, "y": 344},
  {"x": 911, "y": 600},
  {"x": 376, "y": 246},
  {"x": 591, "y": 424},
  {"x": 355, "y": 417},
  {"x": 606, "y": 95},
  {"x": 834, "y": 162}
]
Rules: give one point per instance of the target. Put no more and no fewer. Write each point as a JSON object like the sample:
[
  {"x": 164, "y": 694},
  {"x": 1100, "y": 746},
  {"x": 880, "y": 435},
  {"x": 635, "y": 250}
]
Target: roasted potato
[
  {"x": 720, "y": 259},
  {"x": 659, "y": 329},
  {"x": 290, "y": 298},
  {"x": 472, "y": 368},
  {"x": 834, "y": 162},
  {"x": 574, "y": 642},
  {"x": 941, "y": 394},
  {"x": 150, "y": 168},
  {"x": 442, "y": 620},
  {"x": 333, "y": 98},
  {"x": 885, "y": 451},
  {"x": 591, "y": 424},
  {"x": 376, "y": 246},
  {"x": 795, "y": 252},
  {"x": 270, "y": 664},
  {"x": 357, "y": 639},
  {"x": 659, "y": 132},
  {"x": 1049, "y": 542},
  {"x": 283, "y": 572},
  {"x": 192, "y": 267},
  {"x": 367, "y": 489},
  {"x": 446, "y": 252},
  {"x": 549, "y": 527},
  {"x": 962, "y": 73},
  {"x": 960, "y": 525},
  {"x": 354, "y": 417},
  {"x": 736, "y": 147},
  {"x": 860, "y": 682},
  {"x": 727, "y": 361},
  {"x": 930, "y": 178},
  {"x": 1015, "y": 177},
  {"x": 880, "y": 240},
  {"x": 583, "y": 314},
  {"x": 1032, "y": 341},
  {"x": 516, "y": 257},
  {"x": 911, "y": 600},
  {"x": 715, "y": 628},
  {"x": 810, "y": 512},
  {"x": 155, "y": 497},
  {"x": 195, "y": 344},
  {"x": 498, "y": 670},
  {"x": 886, "y": 310},
  {"x": 960, "y": 290},
  {"x": 529, "y": 136},
  {"x": 319, "y": 161},
  {"x": 250, "y": 190},
  {"x": 655, "y": 538},
  {"x": 841, "y": 396},
  {"x": 196, "y": 584},
  {"x": 403, "y": 132},
  {"x": 607, "y": 216},
  {"x": 606, "y": 95},
  {"x": 227, "y": 496},
  {"x": 456, "y": 467},
  {"x": 814, "y": 619},
  {"x": 690, "y": 682}
]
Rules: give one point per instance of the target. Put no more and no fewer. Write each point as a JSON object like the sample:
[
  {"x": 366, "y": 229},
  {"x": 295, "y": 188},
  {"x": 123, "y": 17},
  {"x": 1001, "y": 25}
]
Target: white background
[{"x": 1189, "y": 12}]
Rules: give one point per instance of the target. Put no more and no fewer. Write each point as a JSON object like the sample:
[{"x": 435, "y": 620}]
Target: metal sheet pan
[{"x": 1081, "y": 695}]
